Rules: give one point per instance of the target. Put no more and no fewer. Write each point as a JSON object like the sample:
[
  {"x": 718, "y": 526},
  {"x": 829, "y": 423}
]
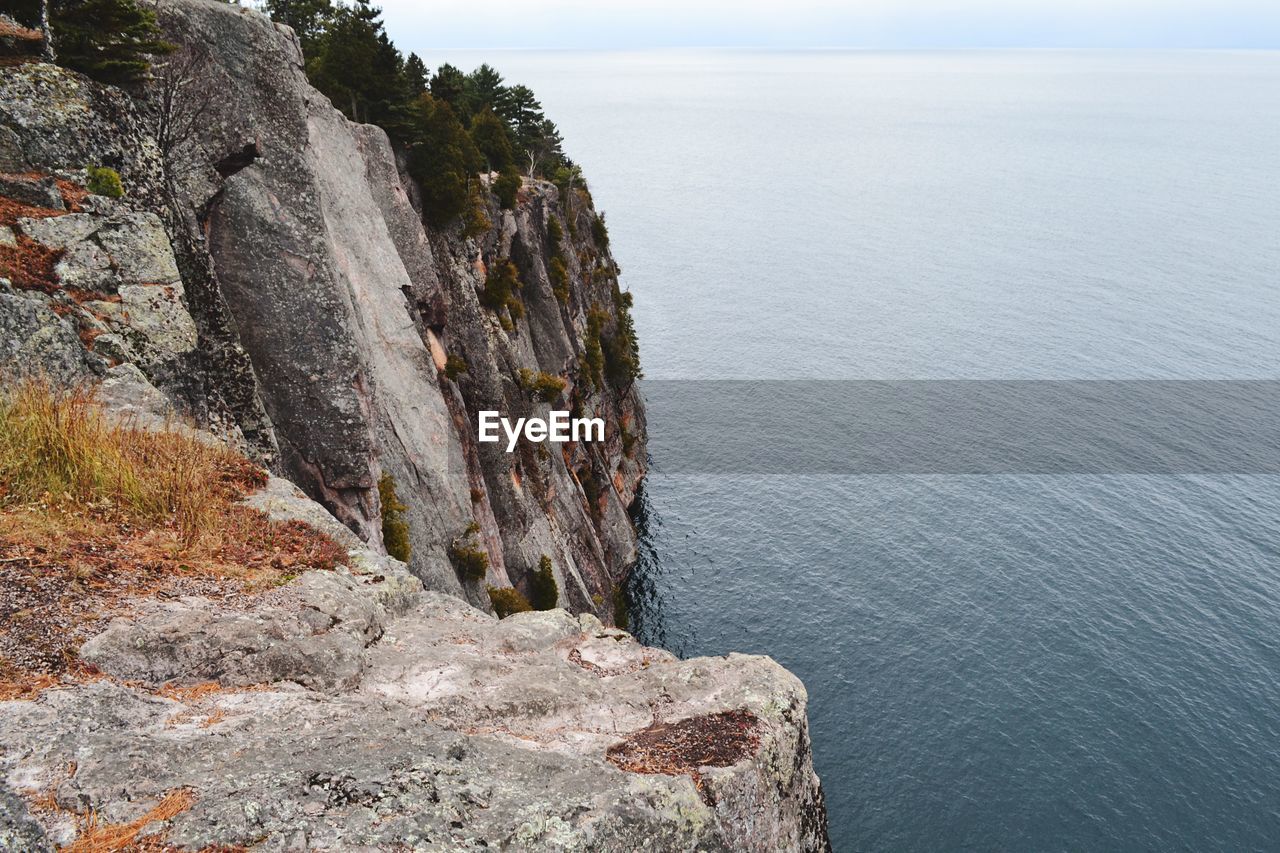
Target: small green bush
[
  {"x": 628, "y": 441},
  {"x": 541, "y": 386},
  {"x": 554, "y": 234},
  {"x": 621, "y": 612},
  {"x": 395, "y": 532},
  {"x": 599, "y": 232},
  {"x": 103, "y": 180},
  {"x": 545, "y": 593},
  {"x": 507, "y": 600},
  {"x": 455, "y": 366},
  {"x": 559, "y": 275},
  {"x": 591, "y": 489},
  {"x": 500, "y": 287},
  {"x": 507, "y": 188},
  {"x": 593, "y": 353},
  {"x": 475, "y": 219},
  {"x": 471, "y": 561}
]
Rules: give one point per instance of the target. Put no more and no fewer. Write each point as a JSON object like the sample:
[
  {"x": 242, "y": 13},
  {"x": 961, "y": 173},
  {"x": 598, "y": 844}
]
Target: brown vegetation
[
  {"x": 682, "y": 748},
  {"x": 97, "y": 837},
  {"x": 94, "y": 515}
]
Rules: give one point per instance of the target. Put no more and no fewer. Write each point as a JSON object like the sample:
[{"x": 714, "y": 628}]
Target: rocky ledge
[{"x": 357, "y": 711}]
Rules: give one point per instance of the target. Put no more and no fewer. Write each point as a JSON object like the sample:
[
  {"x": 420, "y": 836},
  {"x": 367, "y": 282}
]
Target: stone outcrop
[{"x": 372, "y": 714}]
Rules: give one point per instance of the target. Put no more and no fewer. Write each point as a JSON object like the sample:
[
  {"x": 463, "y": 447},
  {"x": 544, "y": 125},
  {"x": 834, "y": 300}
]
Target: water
[{"x": 1001, "y": 662}]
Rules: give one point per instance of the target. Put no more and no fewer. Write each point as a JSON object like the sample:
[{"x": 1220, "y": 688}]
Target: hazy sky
[{"x": 608, "y": 24}]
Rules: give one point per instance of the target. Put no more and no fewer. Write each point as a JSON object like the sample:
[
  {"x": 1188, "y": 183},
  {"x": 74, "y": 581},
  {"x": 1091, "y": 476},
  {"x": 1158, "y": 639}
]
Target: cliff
[{"x": 266, "y": 278}]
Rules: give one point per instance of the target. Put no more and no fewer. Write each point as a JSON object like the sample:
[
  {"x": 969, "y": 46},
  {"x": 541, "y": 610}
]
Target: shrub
[
  {"x": 475, "y": 219},
  {"x": 554, "y": 235},
  {"x": 593, "y": 353},
  {"x": 103, "y": 180},
  {"x": 469, "y": 559},
  {"x": 591, "y": 489},
  {"x": 507, "y": 600},
  {"x": 395, "y": 532},
  {"x": 541, "y": 386},
  {"x": 545, "y": 595},
  {"x": 455, "y": 366},
  {"x": 500, "y": 286},
  {"x": 621, "y": 612},
  {"x": 559, "y": 275},
  {"x": 600, "y": 233},
  {"x": 507, "y": 187}
]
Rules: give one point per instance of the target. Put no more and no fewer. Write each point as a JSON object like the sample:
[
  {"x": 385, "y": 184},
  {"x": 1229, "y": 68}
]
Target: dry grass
[
  {"x": 58, "y": 448},
  {"x": 94, "y": 515},
  {"x": 97, "y": 837}
]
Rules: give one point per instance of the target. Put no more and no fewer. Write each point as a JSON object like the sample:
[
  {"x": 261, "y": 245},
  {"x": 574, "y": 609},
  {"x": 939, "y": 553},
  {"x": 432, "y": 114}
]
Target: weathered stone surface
[
  {"x": 11, "y": 157},
  {"x": 58, "y": 120},
  {"x": 18, "y": 830},
  {"x": 465, "y": 732},
  {"x": 313, "y": 632},
  {"x": 34, "y": 340},
  {"x": 40, "y": 192}
]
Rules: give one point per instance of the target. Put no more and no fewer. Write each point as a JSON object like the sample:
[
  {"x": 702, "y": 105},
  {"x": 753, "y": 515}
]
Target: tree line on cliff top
[{"x": 454, "y": 125}]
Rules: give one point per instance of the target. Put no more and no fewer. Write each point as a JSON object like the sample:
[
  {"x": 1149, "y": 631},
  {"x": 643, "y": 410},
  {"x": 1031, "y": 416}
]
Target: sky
[{"x": 885, "y": 24}]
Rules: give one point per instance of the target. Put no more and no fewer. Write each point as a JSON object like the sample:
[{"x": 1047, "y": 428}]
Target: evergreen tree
[
  {"x": 492, "y": 139},
  {"x": 342, "y": 62},
  {"x": 543, "y": 592},
  {"x": 449, "y": 84},
  {"x": 109, "y": 40},
  {"x": 355, "y": 64},
  {"x": 416, "y": 75},
  {"x": 442, "y": 160},
  {"x": 484, "y": 88},
  {"x": 308, "y": 18}
]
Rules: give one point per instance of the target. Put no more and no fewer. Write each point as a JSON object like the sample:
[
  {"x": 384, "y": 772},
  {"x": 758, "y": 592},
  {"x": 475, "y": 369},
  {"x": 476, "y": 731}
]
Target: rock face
[
  {"x": 267, "y": 280},
  {"x": 347, "y": 308}
]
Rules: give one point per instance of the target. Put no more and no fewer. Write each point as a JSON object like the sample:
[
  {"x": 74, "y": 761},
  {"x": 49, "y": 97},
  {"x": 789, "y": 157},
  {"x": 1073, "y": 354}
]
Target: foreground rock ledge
[{"x": 451, "y": 730}]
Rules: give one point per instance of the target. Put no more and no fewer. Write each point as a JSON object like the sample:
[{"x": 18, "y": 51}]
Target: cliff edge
[{"x": 266, "y": 281}]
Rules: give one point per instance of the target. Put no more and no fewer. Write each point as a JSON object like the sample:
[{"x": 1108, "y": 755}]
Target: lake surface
[{"x": 1013, "y": 662}]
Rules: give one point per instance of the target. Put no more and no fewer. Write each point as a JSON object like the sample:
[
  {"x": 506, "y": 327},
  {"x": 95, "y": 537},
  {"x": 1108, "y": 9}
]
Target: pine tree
[
  {"x": 416, "y": 76},
  {"x": 449, "y": 84},
  {"x": 484, "y": 88},
  {"x": 109, "y": 40},
  {"x": 442, "y": 160},
  {"x": 492, "y": 138},
  {"x": 308, "y": 18}
]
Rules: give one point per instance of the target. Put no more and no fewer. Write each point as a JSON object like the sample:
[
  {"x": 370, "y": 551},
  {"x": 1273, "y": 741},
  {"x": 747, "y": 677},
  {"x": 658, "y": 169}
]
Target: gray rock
[
  {"x": 35, "y": 340},
  {"x": 11, "y": 157},
  {"x": 465, "y": 733},
  {"x": 19, "y": 832},
  {"x": 346, "y": 305},
  {"x": 40, "y": 192}
]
